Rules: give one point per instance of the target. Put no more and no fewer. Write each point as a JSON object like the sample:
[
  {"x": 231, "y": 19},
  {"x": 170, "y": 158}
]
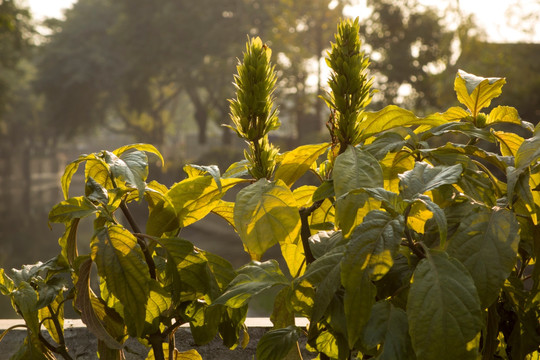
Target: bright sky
[{"x": 490, "y": 14}]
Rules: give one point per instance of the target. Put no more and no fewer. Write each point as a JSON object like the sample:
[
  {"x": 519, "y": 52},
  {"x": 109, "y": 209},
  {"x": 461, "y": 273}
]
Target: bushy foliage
[{"x": 416, "y": 243}]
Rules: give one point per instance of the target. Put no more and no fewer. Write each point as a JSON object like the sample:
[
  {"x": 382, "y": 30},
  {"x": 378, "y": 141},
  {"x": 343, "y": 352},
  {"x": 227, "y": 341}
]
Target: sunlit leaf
[
  {"x": 486, "y": 243},
  {"x": 390, "y": 117},
  {"x": 266, "y": 214},
  {"x": 225, "y": 209},
  {"x": 509, "y": 143},
  {"x": 130, "y": 167},
  {"x": 70, "y": 170},
  {"x": 304, "y": 195},
  {"x": 121, "y": 263},
  {"x": 141, "y": 147},
  {"x": 195, "y": 197},
  {"x": 186, "y": 269},
  {"x": 296, "y": 162},
  {"x": 162, "y": 217},
  {"x": 45, "y": 316},
  {"x": 505, "y": 114},
  {"x": 443, "y": 309},
  {"x": 193, "y": 170},
  {"x": 476, "y": 92},
  {"x": 72, "y": 208},
  {"x": 454, "y": 113}
]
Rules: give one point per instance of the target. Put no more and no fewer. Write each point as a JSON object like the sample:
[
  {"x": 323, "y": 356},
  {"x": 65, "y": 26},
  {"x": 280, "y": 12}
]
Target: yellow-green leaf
[
  {"x": 296, "y": 162},
  {"x": 120, "y": 262},
  {"x": 509, "y": 143},
  {"x": 72, "y": 208},
  {"x": 476, "y": 92},
  {"x": 70, "y": 170},
  {"x": 506, "y": 114},
  {"x": 225, "y": 209},
  {"x": 393, "y": 116},
  {"x": 195, "y": 197},
  {"x": 304, "y": 194},
  {"x": 266, "y": 214},
  {"x": 141, "y": 147}
]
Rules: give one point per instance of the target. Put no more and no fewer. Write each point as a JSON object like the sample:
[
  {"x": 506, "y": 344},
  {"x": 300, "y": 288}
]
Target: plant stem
[
  {"x": 140, "y": 241},
  {"x": 156, "y": 340},
  {"x": 305, "y": 232}
]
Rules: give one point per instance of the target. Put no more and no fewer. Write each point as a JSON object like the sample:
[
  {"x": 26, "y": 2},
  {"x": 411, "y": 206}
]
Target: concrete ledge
[{"x": 82, "y": 345}]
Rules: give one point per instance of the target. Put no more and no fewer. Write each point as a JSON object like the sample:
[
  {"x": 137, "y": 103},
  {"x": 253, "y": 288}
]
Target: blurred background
[{"x": 80, "y": 76}]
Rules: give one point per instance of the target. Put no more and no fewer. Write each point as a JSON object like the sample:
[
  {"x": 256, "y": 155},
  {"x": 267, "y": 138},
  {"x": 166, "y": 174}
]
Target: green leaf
[
  {"x": 353, "y": 170},
  {"x": 72, "y": 208},
  {"x": 324, "y": 241},
  {"x": 120, "y": 262},
  {"x": 369, "y": 256},
  {"x": 95, "y": 315},
  {"x": 46, "y": 317},
  {"x": 68, "y": 241},
  {"x": 359, "y": 299},
  {"x": 528, "y": 153},
  {"x": 26, "y": 300},
  {"x": 356, "y": 169},
  {"x": 373, "y": 246},
  {"x": 324, "y": 191},
  {"x": 237, "y": 169},
  {"x": 391, "y": 117},
  {"x": 282, "y": 313},
  {"x": 141, "y": 147},
  {"x": 276, "y": 344},
  {"x": 94, "y": 191},
  {"x": 131, "y": 167},
  {"x": 159, "y": 301},
  {"x": 193, "y": 170},
  {"x": 252, "y": 279},
  {"x": 162, "y": 217},
  {"x": 443, "y": 309},
  {"x": 424, "y": 178},
  {"x": 486, "y": 242},
  {"x": 438, "y": 215},
  {"x": 465, "y": 128},
  {"x": 477, "y": 92},
  {"x": 388, "y": 326},
  {"x": 265, "y": 214},
  {"x": 186, "y": 272},
  {"x": 195, "y": 197},
  {"x": 296, "y": 162}
]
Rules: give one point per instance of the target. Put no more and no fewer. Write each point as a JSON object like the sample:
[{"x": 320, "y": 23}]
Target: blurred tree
[
  {"x": 409, "y": 47},
  {"x": 301, "y": 31},
  {"x": 15, "y": 32},
  {"x": 129, "y": 61}
]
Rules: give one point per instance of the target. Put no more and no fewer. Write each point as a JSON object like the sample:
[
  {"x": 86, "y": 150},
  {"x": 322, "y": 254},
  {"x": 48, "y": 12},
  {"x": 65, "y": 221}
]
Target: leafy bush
[{"x": 406, "y": 249}]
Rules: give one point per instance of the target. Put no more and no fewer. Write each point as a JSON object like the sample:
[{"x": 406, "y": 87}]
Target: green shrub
[{"x": 407, "y": 249}]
